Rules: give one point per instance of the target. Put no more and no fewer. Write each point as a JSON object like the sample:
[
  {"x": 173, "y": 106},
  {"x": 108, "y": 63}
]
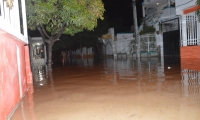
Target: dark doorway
[{"x": 171, "y": 43}]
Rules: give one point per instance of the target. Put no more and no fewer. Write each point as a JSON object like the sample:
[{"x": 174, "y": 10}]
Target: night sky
[{"x": 122, "y": 9}]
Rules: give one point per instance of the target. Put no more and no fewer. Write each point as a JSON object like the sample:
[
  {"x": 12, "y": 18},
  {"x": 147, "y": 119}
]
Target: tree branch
[
  {"x": 41, "y": 33},
  {"x": 56, "y": 40},
  {"x": 60, "y": 32},
  {"x": 44, "y": 31},
  {"x": 54, "y": 32}
]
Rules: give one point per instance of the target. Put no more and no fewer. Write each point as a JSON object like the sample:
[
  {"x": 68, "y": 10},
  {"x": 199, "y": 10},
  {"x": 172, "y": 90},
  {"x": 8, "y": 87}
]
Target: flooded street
[{"x": 125, "y": 89}]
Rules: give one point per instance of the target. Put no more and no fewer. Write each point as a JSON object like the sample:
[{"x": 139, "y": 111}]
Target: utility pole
[
  {"x": 136, "y": 28},
  {"x": 137, "y": 41}
]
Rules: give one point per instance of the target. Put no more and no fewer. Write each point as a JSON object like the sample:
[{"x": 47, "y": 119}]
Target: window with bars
[
  {"x": 169, "y": 25},
  {"x": 189, "y": 27}
]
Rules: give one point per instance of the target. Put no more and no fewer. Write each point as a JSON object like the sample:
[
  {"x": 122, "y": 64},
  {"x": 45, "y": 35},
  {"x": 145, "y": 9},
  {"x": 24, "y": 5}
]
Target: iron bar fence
[{"x": 189, "y": 30}]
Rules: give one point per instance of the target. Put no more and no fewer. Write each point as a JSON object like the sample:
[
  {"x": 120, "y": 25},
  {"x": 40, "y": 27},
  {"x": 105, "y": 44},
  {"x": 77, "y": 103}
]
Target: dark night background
[{"x": 120, "y": 13}]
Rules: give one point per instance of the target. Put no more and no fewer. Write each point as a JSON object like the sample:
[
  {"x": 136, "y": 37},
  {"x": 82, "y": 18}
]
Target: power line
[{"x": 184, "y": 3}]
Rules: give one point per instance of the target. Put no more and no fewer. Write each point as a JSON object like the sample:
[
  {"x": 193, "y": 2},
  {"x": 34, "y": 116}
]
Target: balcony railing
[
  {"x": 13, "y": 18},
  {"x": 189, "y": 30}
]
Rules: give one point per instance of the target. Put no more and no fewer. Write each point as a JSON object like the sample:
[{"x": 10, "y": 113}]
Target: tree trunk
[
  {"x": 49, "y": 60},
  {"x": 96, "y": 52}
]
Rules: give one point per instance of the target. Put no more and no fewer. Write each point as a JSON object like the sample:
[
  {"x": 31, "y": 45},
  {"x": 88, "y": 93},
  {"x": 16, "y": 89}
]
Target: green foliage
[
  {"x": 85, "y": 38},
  {"x": 147, "y": 29},
  {"x": 74, "y": 15},
  {"x": 56, "y": 17},
  {"x": 143, "y": 44},
  {"x": 198, "y": 11}
]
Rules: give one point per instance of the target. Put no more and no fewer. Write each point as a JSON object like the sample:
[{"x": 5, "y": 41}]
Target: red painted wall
[
  {"x": 190, "y": 52},
  {"x": 190, "y": 57},
  {"x": 191, "y": 64},
  {"x": 11, "y": 73}
]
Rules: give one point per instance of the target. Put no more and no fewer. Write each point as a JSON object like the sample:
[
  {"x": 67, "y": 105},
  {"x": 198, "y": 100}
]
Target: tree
[
  {"x": 198, "y": 11},
  {"x": 56, "y": 17},
  {"x": 83, "y": 39}
]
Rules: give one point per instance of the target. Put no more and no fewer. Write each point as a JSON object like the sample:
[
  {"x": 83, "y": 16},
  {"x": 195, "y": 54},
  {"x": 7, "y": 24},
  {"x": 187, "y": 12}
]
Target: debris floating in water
[{"x": 169, "y": 67}]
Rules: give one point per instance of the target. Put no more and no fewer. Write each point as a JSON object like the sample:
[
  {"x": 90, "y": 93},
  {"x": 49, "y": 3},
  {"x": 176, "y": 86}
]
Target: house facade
[
  {"x": 190, "y": 45},
  {"x": 189, "y": 28},
  {"x": 161, "y": 14},
  {"x": 123, "y": 45},
  {"x": 15, "y": 69},
  {"x": 176, "y": 25},
  {"x": 172, "y": 18}
]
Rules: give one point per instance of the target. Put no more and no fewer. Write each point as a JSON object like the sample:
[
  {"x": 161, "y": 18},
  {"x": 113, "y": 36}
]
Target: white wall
[
  {"x": 159, "y": 40},
  {"x": 109, "y": 47},
  {"x": 90, "y": 52},
  {"x": 168, "y": 13},
  {"x": 123, "y": 42},
  {"x": 183, "y": 4},
  {"x": 10, "y": 19}
]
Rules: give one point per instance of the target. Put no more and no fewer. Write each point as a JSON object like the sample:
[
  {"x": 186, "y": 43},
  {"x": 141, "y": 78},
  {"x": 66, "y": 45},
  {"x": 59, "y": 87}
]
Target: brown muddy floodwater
[{"x": 146, "y": 89}]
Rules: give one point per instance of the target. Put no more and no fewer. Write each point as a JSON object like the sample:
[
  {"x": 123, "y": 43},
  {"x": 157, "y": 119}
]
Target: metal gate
[
  {"x": 171, "y": 37},
  {"x": 171, "y": 43},
  {"x": 189, "y": 30}
]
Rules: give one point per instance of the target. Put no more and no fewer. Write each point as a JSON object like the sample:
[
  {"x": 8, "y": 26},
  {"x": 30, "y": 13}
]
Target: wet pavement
[{"x": 126, "y": 89}]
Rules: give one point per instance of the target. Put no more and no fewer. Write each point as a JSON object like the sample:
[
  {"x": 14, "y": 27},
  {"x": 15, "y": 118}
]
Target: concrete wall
[
  {"x": 168, "y": 13},
  {"x": 109, "y": 44},
  {"x": 107, "y": 47},
  {"x": 123, "y": 42},
  {"x": 34, "y": 41},
  {"x": 15, "y": 72},
  {"x": 159, "y": 40}
]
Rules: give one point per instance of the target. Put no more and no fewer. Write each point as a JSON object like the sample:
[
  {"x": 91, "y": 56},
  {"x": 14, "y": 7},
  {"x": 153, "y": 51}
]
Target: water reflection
[
  {"x": 163, "y": 74},
  {"x": 40, "y": 74},
  {"x": 164, "y": 86},
  {"x": 76, "y": 61},
  {"x": 157, "y": 74},
  {"x": 149, "y": 69},
  {"x": 191, "y": 84}
]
